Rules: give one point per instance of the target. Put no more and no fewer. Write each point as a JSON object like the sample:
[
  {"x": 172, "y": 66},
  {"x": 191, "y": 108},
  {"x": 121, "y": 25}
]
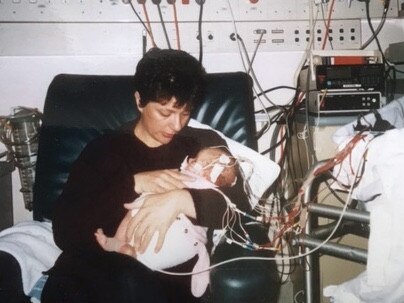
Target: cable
[
  {"x": 325, "y": 23},
  {"x": 241, "y": 45},
  {"x": 310, "y": 144},
  {"x": 367, "y": 8},
  {"x": 163, "y": 26},
  {"x": 275, "y": 88},
  {"x": 273, "y": 146},
  {"x": 200, "y": 35},
  {"x": 309, "y": 46},
  {"x": 374, "y": 36},
  {"x": 235, "y": 34},
  {"x": 377, "y": 31},
  {"x": 149, "y": 31},
  {"x": 144, "y": 41},
  {"x": 3, "y": 154},
  {"x": 177, "y": 30},
  {"x": 253, "y": 75},
  {"x": 255, "y": 51},
  {"x": 244, "y": 57},
  {"x": 328, "y": 24},
  {"x": 294, "y": 257},
  {"x": 141, "y": 21}
]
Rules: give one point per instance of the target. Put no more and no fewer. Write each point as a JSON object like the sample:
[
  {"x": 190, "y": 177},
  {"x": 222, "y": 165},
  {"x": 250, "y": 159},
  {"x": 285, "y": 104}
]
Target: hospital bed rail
[{"x": 315, "y": 240}]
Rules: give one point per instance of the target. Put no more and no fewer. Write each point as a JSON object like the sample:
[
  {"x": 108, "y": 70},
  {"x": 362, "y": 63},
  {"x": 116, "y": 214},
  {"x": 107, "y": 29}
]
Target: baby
[{"x": 212, "y": 167}]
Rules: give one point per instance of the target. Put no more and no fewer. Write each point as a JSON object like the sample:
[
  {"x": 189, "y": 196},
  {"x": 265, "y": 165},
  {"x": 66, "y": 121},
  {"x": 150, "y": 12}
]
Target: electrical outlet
[
  {"x": 294, "y": 35},
  {"x": 271, "y": 36}
]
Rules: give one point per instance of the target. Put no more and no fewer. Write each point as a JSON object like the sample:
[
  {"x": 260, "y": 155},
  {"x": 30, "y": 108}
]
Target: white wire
[
  {"x": 288, "y": 258},
  {"x": 304, "y": 136},
  {"x": 236, "y": 33},
  {"x": 255, "y": 52},
  {"x": 300, "y": 292},
  {"x": 304, "y": 59},
  {"x": 310, "y": 43},
  {"x": 244, "y": 58}
]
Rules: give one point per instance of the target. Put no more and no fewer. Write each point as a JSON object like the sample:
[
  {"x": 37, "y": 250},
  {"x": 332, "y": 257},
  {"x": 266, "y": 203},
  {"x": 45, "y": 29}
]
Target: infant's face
[{"x": 204, "y": 162}]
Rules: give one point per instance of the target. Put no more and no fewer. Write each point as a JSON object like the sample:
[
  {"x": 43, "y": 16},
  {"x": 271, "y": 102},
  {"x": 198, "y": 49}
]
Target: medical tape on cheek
[
  {"x": 215, "y": 172},
  {"x": 219, "y": 167}
]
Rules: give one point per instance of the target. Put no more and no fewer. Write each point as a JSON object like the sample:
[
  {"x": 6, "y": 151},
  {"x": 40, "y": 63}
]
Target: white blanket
[
  {"x": 31, "y": 243},
  {"x": 381, "y": 185}
]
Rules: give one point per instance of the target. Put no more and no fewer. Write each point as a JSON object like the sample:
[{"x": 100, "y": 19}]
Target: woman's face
[{"x": 159, "y": 122}]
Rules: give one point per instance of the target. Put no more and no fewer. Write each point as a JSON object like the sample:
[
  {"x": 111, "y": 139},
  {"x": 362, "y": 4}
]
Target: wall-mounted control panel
[
  {"x": 186, "y": 10},
  {"x": 84, "y": 27}
]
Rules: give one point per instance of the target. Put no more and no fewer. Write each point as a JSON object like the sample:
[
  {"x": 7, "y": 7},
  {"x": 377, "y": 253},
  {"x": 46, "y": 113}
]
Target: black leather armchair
[{"x": 80, "y": 107}]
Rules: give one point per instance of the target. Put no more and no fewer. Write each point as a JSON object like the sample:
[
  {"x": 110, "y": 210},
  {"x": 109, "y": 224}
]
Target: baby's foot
[
  {"x": 102, "y": 239},
  {"x": 114, "y": 244},
  {"x": 127, "y": 249}
]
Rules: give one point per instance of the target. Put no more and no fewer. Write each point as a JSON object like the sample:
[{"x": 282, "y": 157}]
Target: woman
[{"x": 116, "y": 168}]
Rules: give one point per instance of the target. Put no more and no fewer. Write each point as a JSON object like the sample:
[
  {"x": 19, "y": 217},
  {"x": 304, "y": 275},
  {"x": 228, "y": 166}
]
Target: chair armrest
[{"x": 244, "y": 280}]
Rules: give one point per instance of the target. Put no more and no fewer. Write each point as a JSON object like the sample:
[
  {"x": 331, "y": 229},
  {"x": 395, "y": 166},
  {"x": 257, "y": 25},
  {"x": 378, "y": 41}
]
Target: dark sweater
[{"x": 101, "y": 181}]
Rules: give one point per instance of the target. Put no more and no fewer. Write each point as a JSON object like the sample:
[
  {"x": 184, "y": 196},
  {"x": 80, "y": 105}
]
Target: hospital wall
[{"x": 31, "y": 54}]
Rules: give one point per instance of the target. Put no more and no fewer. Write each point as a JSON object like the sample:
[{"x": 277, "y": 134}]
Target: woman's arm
[
  {"x": 156, "y": 214},
  {"x": 160, "y": 210},
  {"x": 160, "y": 181},
  {"x": 99, "y": 184}
]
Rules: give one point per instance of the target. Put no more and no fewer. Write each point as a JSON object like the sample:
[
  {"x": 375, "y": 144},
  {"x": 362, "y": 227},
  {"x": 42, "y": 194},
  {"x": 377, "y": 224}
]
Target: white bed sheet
[{"x": 381, "y": 187}]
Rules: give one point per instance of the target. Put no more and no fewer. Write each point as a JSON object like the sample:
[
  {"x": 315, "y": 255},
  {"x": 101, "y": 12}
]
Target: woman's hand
[
  {"x": 157, "y": 214},
  {"x": 160, "y": 181}
]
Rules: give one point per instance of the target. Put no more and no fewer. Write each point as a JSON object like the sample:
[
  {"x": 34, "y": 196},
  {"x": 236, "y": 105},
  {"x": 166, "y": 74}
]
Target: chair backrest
[{"x": 79, "y": 108}]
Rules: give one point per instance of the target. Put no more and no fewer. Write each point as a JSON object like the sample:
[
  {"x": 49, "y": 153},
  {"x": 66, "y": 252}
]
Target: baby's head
[{"x": 216, "y": 164}]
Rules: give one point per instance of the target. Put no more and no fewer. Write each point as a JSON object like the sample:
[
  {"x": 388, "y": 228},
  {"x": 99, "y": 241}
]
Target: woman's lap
[
  {"x": 101, "y": 277},
  {"x": 11, "y": 288}
]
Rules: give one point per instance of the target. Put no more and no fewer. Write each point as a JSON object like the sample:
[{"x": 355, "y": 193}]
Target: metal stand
[
  {"x": 19, "y": 132},
  {"x": 6, "y": 195},
  {"x": 353, "y": 221}
]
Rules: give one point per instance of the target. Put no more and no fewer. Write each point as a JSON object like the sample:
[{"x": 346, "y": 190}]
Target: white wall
[{"x": 32, "y": 54}]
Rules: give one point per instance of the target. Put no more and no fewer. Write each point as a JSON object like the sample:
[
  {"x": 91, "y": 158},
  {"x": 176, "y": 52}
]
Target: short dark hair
[{"x": 165, "y": 73}]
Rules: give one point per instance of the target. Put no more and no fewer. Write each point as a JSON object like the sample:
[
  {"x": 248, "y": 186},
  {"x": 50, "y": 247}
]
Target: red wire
[
  {"x": 341, "y": 155},
  {"x": 299, "y": 98},
  {"x": 328, "y": 24},
  {"x": 177, "y": 30},
  {"x": 150, "y": 32}
]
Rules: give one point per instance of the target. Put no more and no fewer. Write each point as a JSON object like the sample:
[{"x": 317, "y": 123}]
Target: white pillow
[{"x": 263, "y": 171}]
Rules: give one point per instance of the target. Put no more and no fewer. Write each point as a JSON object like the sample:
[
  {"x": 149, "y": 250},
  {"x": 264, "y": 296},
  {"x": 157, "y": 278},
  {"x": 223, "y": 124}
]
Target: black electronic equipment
[
  {"x": 355, "y": 76},
  {"x": 345, "y": 102}
]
